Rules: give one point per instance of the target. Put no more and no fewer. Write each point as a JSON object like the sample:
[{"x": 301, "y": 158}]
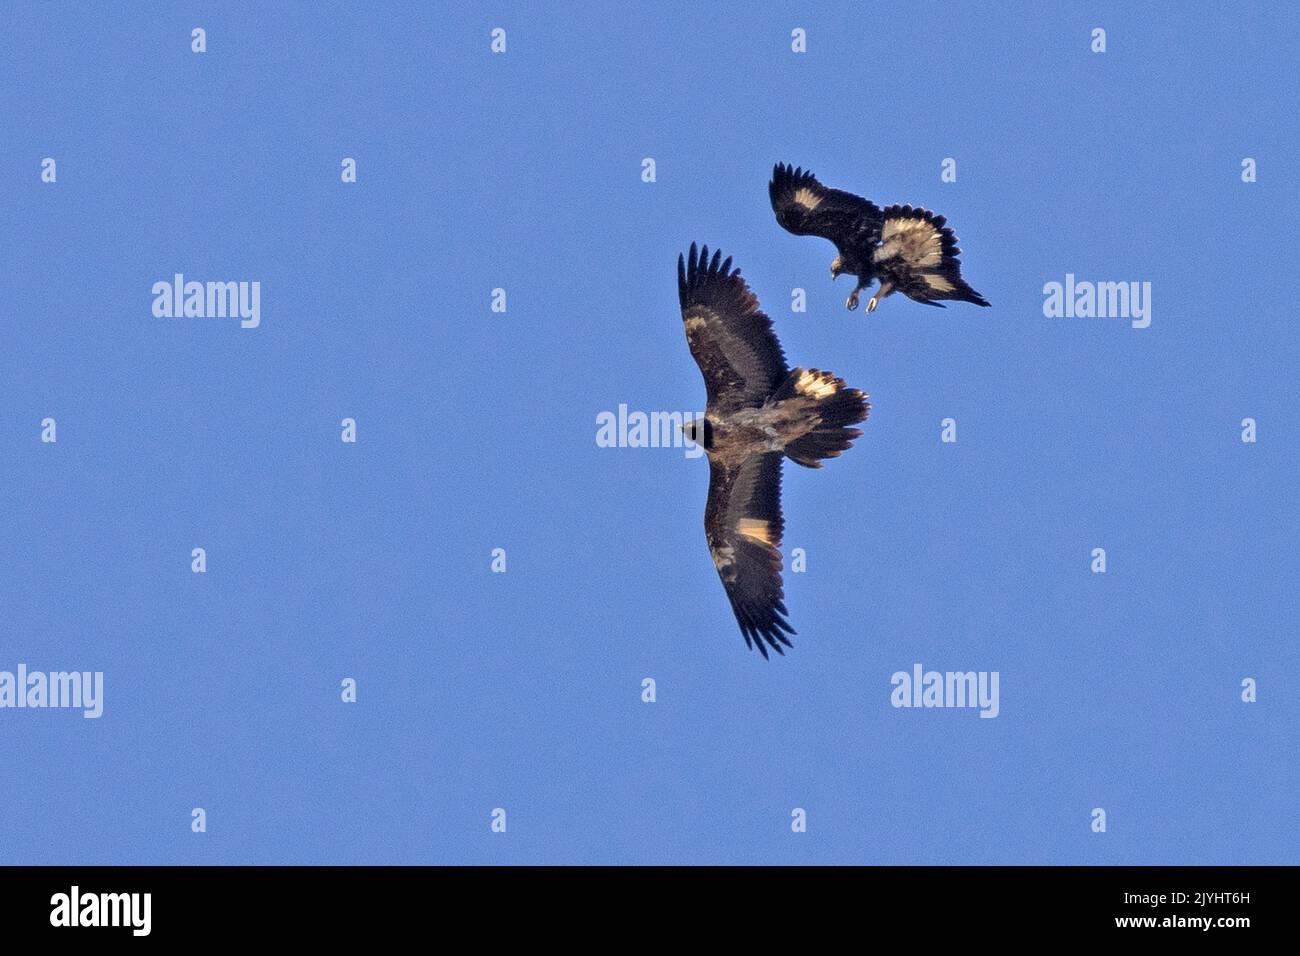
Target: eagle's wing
[
  {"x": 807, "y": 208},
  {"x": 731, "y": 339},
  {"x": 743, "y": 524},
  {"x": 919, "y": 254}
]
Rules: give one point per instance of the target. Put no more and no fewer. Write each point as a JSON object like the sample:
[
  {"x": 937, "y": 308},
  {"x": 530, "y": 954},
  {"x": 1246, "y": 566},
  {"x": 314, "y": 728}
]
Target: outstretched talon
[
  {"x": 871, "y": 306},
  {"x": 852, "y": 302}
]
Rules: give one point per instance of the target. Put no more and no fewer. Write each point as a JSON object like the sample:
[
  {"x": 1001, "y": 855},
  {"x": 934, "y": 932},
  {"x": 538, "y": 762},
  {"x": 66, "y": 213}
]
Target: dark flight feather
[
  {"x": 729, "y": 336},
  {"x": 744, "y": 526},
  {"x": 805, "y": 207}
]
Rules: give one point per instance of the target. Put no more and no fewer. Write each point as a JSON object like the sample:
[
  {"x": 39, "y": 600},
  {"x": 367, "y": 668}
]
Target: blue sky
[{"x": 476, "y": 430}]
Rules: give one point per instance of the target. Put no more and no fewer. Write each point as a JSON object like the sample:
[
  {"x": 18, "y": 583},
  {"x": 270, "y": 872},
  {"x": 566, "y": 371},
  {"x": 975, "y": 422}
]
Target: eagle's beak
[{"x": 836, "y": 268}]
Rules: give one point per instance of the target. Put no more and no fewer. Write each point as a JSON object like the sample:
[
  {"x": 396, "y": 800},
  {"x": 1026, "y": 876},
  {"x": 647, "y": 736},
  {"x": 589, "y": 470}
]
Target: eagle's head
[
  {"x": 699, "y": 431},
  {"x": 837, "y": 266}
]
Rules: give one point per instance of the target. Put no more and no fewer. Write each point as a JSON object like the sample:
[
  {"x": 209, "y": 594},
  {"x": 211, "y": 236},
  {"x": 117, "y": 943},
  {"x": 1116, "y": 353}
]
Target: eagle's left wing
[
  {"x": 743, "y": 524},
  {"x": 730, "y": 337},
  {"x": 919, "y": 255},
  {"x": 807, "y": 208}
]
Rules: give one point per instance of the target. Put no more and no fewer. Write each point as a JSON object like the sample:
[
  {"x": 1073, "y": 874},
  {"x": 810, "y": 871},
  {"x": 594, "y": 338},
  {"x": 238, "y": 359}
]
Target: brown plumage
[{"x": 759, "y": 412}]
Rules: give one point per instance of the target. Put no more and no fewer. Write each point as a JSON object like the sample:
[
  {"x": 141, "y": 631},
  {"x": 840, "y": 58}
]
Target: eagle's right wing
[
  {"x": 743, "y": 524},
  {"x": 807, "y": 208},
  {"x": 731, "y": 339}
]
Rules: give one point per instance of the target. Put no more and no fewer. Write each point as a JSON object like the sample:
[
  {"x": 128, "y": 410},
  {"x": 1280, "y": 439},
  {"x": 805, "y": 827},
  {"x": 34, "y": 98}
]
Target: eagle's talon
[
  {"x": 852, "y": 302},
  {"x": 871, "y": 306}
]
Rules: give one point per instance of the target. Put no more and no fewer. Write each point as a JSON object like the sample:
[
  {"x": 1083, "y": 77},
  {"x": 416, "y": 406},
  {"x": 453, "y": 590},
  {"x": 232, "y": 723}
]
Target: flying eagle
[
  {"x": 759, "y": 411},
  {"x": 909, "y": 250}
]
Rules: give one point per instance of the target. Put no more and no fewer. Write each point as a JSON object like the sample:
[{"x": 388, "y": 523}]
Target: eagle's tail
[{"x": 837, "y": 407}]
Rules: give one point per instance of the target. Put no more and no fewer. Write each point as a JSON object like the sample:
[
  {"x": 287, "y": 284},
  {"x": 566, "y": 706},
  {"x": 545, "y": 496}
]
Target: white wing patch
[
  {"x": 807, "y": 198},
  {"x": 816, "y": 384},
  {"x": 756, "y": 528},
  {"x": 936, "y": 282},
  {"x": 697, "y": 317},
  {"x": 915, "y": 241},
  {"x": 723, "y": 556}
]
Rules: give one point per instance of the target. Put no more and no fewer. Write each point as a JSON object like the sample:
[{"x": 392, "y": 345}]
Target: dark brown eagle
[
  {"x": 909, "y": 250},
  {"x": 759, "y": 411}
]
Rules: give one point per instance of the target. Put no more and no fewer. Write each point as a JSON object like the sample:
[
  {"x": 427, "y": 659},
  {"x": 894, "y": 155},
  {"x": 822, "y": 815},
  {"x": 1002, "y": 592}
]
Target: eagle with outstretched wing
[
  {"x": 909, "y": 250},
  {"x": 759, "y": 412}
]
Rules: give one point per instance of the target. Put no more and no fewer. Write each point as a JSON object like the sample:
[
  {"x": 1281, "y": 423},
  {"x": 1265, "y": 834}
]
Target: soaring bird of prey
[
  {"x": 909, "y": 250},
  {"x": 759, "y": 412}
]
